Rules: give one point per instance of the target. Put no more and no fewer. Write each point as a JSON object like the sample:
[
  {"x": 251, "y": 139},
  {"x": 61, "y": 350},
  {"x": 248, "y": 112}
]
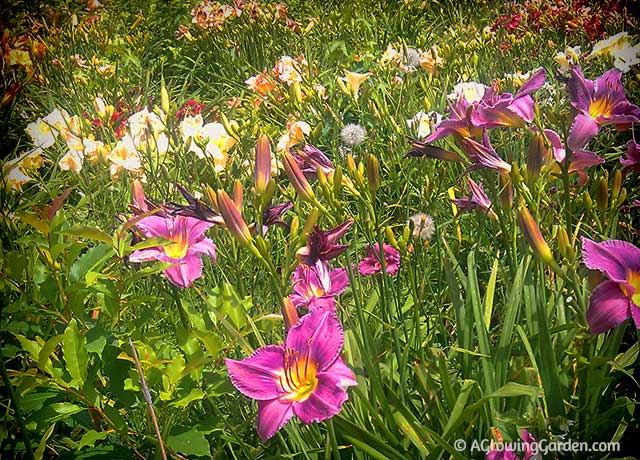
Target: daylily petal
[
  {"x": 580, "y": 89},
  {"x": 614, "y": 257},
  {"x": 584, "y": 159},
  {"x": 146, "y": 255},
  {"x": 635, "y": 314},
  {"x": 524, "y": 108},
  {"x": 185, "y": 272},
  {"x": 325, "y": 401},
  {"x": 608, "y": 308},
  {"x": 321, "y": 333},
  {"x": 272, "y": 415},
  {"x": 559, "y": 152},
  {"x": 345, "y": 374},
  {"x": 583, "y": 129},
  {"x": 205, "y": 246},
  {"x": 533, "y": 83},
  {"x": 339, "y": 281},
  {"x": 152, "y": 226},
  {"x": 258, "y": 376}
]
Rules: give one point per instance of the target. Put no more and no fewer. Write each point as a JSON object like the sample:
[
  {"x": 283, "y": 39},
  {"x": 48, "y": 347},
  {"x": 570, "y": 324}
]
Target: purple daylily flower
[
  {"x": 457, "y": 124},
  {"x": 598, "y": 102},
  {"x": 615, "y": 300},
  {"x": 272, "y": 216},
  {"x": 196, "y": 208},
  {"x": 529, "y": 445},
  {"x": 322, "y": 245},
  {"x": 477, "y": 199},
  {"x": 372, "y": 263},
  {"x": 310, "y": 159},
  {"x": 502, "y": 110},
  {"x": 632, "y": 161},
  {"x": 188, "y": 244},
  {"x": 305, "y": 376},
  {"x": 505, "y": 454},
  {"x": 316, "y": 286},
  {"x": 484, "y": 155},
  {"x": 580, "y": 159}
]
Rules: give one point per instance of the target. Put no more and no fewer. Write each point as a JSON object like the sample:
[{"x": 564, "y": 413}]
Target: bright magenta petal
[
  {"x": 614, "y": 257},
  {"x": 258, "y": 376},
  {"x": 559, "y": 153},
  {"x": 153, "y": 226},
  {"x": 344, "y": 373},
  {"x": 185, "y": 271},
  {"x": 608, "y": 308},
  {"x": 272, "y": 415},
  {"x": 321, "y": 333},
  {"x": 583, "y": 129},
  {"x": 325, "y": 401}
]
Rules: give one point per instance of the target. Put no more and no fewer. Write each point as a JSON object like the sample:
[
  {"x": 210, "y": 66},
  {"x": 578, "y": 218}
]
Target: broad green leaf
[
  {"x": 90, "y": 261},
  {"x": 91, "y": 233},
  {"x": 195, "y": 394},
  {"x": 44, "y": 357},
  {"x": 39, "y": 224},
  {"x": 512, "y": 389},
  {"x": 90, "y": 437},
  {"x": 190, "y": 442},
  {"x": 75, "y": 354}
]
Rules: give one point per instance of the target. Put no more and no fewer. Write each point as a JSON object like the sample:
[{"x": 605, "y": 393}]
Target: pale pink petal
[
  {"x": 559, "y": 152},
  {"x": 320, "y": 332},
  {"x": 258, "y": 376},
  {"x": 154, "y": 226},
  {"x": 205, "y": 247},
  {"x": 272, "y": 415},
  {"x": 324, "y": 402},
  {"x": 147, "y": 255},
  {"x": 608, "y": 308}
]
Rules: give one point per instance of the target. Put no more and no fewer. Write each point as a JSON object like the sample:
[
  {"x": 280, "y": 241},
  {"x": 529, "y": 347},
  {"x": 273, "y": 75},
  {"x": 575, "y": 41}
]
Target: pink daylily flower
[
  {"x": 322, "y": 245},
  {"x": 305, "y": 376},
  {"x": 598, "y": 102},
  {"x": 632, "y": 160},
  {"x": 580, "y": 159},
  {"x": 316, "y": 286},
  {"x": 477, "y": 199},
  {"x": 484, "y": 155},
  {"x": 457, "y": 124},
  {"x": 503, "y": 110},
  {"x": 188, "y": 244},
  {"x": 372, "y": 263},
  {"x": 615, "y": 300}
]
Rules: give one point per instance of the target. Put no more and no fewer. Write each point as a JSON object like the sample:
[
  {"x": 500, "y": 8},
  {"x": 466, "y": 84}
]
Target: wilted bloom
[
  {"x": 598, "y": 102},
  {"x": 423, "y": 123},
  {"x": 322, "y": 245},
  {"x": 354, "y": 80},
  {"x": 498, "y": 110},
  {"x": 423, "y": 149},
  {"x": 272, "y": 216},
  {"x": 632, "y": 160},
  {"x": 372, "y": 263},
  {"x": 187, "y": 245},
  {"x": 423, "y": 226},
  {"x": 196, "y": 208},
  {"x": 353, "y": 134},
  {"x": 477, "y": 199},
  {"x": 617, "y": 298},
  {"x": 316, "y": 286},
  {"x": 311, "y": 159},
  {"x": 305, "y": 376}
]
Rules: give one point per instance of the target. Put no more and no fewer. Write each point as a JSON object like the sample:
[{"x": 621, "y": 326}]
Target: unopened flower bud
[
  {"x": 263, "y": 164},
  {"x": 233, "y": 219},
  {"x": 297, "y": 178},
  {"x": 564, "y": 245},
  {"x": 536, "y": 156},
  {"x": 164, "y": 98},
  {"x": 506, "y": 192},
  {"x": 373, "y": 173},
  {"x": 602, "y": 195},
  {"x": 289, "y": 313},
  {"x": 616, "y": 185},
  {"x": 532, "y": 234}
]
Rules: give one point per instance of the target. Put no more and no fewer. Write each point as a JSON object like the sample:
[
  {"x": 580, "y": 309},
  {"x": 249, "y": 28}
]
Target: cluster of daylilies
[{"x": 476, "y": 109}]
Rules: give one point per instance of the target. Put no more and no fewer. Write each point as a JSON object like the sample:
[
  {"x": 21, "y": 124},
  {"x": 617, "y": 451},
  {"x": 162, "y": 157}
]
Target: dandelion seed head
[
  {"x": 353, "y": 134},
  {"x": 423, "y": 225}
]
